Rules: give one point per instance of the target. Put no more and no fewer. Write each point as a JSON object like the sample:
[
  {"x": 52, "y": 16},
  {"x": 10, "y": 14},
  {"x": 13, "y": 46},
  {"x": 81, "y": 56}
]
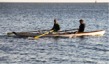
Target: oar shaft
[
  {"x": 68, "y": 30},
  {"x": 38, "y": 31},
  {"x": 36, "y": 37}
]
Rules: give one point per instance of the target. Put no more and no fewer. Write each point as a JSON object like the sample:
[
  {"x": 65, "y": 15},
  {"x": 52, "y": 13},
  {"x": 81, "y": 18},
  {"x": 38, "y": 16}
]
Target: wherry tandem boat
[{"x": 59, "y": 34}]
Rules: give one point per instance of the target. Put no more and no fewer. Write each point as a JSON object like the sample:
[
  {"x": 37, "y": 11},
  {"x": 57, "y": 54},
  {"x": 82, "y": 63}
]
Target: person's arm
[
  {"x": 53, "y": 27},
  {"x": 59, "y": 26}
]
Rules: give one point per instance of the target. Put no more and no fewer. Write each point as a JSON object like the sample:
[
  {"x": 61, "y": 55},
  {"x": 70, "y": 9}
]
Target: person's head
[
  {"x": 81, "y": 21},
  {"x": 55, "y": 21}
]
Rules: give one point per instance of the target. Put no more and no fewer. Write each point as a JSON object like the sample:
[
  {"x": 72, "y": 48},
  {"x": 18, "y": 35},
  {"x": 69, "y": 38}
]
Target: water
[{"x": 38, "y": 16}]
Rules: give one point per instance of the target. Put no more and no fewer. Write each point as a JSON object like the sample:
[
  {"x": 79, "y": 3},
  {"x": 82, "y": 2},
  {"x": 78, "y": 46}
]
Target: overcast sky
[{"x": 54, "y": 0}]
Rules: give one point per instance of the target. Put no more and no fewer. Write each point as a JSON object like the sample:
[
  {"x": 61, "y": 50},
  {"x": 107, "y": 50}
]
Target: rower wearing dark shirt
[
  {"x": 82, "y": 26},
  {"x": 56, "y": 26}
]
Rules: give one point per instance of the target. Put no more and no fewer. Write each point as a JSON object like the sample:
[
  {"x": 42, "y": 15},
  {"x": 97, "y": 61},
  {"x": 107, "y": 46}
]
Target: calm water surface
[{"x": 39, "y": 16}]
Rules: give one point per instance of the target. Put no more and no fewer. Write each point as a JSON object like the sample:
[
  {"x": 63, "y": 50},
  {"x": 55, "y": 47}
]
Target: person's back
[
  {"x": 56, "y": 26},
  {"x": 82, "y": 26}
]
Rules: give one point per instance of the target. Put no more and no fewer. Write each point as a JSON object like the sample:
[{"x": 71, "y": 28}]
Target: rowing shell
[{"x": 59, "y": 34}]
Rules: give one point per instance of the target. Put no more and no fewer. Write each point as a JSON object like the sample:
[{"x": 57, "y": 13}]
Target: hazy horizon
[{"x": 54, "y": 1}]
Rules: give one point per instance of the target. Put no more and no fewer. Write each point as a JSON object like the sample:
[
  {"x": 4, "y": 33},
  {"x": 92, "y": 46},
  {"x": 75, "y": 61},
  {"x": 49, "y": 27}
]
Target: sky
[{"x": 54, "y": 0}]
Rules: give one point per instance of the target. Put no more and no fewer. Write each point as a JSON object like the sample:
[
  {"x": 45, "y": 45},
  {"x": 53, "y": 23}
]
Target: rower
[
  {"x": 82, "y": 26},
  {"x": 56, "y": 26}
]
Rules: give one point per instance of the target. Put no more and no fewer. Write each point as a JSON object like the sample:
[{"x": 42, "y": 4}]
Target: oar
[
  {"x": 68, "y": 30},
  {"x": 74, "y": 36},
  {"x": 36, "y": 37},
  {"x": 38, "y": 31}
]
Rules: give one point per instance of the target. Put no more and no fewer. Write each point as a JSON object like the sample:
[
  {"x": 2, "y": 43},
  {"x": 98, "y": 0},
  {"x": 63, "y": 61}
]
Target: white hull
[
  {"x": 92, "y": 33},
  {"x": 69, "y": 35}
]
